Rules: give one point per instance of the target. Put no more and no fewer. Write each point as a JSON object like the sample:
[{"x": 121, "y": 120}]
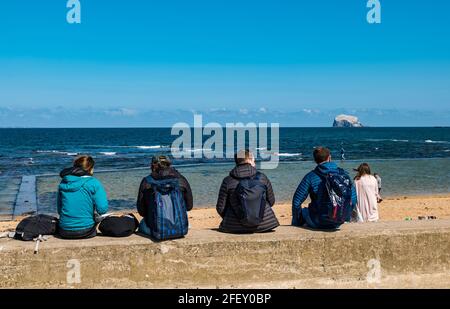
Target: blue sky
[{"x": 152, "y": 63}]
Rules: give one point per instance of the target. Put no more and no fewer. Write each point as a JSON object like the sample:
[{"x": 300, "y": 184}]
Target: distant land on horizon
[
  {"x": 61, "y": 117},
  {"x": 168, "y": 127}
]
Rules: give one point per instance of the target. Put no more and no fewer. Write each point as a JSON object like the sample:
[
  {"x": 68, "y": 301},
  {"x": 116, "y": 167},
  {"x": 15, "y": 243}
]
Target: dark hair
[
  {"x": 242, "y": 156},
  {"x": 160, "y": 162},
  {"x": 86, "y": 163},
  {"x": 363, "y": 169},
  {"x": 321, "y": 154}
]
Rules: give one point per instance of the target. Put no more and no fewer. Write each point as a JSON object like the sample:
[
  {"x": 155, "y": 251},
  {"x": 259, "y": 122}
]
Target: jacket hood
[
  {"x": 74, "y": 171},
  {"x": 165, "y": 173},
  {"x": 326, "y": 168},
  {"x": 243, "y": 171},
  {"x": 71, "y": 183}
]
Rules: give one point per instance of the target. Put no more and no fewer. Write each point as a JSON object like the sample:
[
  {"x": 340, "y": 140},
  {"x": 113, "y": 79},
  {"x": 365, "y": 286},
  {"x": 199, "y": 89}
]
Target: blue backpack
[
  {"x": 337, "y": 198},
  {"x": 167, "y": 214}
]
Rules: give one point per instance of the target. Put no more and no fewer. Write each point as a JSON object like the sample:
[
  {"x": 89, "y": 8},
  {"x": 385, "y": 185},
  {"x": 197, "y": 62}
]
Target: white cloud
[
  {"x": 221, "y": 109},
  {"x": 127, "y": 112},
  {"x": 310, "y": 111},
  {"x": 243, "y": 111}
]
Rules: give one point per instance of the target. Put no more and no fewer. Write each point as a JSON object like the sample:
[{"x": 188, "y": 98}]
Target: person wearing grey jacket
[{"x": 227, "y": 200}]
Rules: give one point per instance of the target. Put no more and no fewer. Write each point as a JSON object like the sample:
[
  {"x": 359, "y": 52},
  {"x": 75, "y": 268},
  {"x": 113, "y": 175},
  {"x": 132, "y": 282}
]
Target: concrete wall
[{"x": 289, "y": 257}]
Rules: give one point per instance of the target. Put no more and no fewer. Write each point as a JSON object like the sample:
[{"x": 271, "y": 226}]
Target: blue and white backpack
[
  {"x": 168, "y": 217},
  {"x": 337, "y": 198}
]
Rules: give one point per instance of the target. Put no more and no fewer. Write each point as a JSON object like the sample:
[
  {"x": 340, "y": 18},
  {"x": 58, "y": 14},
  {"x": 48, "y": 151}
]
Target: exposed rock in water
[{"x": 346, "y": 121}]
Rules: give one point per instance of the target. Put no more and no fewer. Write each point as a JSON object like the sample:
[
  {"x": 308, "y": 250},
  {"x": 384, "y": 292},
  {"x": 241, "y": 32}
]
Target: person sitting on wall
[
  {"x": 246, "y": 198},
  {"x": 80, "y": 197},
  {"x": 324, "y": 184}
]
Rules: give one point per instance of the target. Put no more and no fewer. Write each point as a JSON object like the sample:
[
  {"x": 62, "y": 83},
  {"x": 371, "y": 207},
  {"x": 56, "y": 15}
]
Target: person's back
[
  {"x": 162, "y": 173},
  {"x": 368, "y": 196},
  {"x": 229, "y": 200},
  {"x": 80, "y": 196},
  {"x": 314, "y": 184},
  {"x": 378, "y": 178}
]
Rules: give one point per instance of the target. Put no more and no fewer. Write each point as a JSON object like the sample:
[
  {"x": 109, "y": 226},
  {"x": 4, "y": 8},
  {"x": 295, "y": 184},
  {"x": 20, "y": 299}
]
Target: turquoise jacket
[{"x": 79, "y": 197}]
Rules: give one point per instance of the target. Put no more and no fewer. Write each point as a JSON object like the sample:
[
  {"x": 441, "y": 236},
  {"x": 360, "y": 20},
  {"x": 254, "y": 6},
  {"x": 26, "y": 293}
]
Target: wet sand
[{"x": 391, "y": 209}]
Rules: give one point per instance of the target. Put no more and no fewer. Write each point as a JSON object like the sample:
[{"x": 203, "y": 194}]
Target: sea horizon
[{"x": 169, "y": 127}]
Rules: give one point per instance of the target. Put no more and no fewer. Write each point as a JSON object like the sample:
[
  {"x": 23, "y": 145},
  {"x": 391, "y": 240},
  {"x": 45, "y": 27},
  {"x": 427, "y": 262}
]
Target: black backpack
[
  {"x": 34, "y": 226},
  {"x": 251, "y": 194},
  {"x": 123, "y": 226}
]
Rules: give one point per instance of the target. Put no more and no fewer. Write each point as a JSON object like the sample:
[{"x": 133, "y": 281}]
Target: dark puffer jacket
[
  {"x": 227, "y": 198},
  {"x": 146, "y": 191}
]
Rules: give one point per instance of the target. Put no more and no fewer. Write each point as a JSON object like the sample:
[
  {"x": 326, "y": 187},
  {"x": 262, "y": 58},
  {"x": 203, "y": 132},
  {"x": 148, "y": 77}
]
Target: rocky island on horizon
[{"x": 346, "y": 121}]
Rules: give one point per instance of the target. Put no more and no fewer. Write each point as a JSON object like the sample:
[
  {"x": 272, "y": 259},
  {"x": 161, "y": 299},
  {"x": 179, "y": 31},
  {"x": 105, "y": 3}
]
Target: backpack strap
[
  {"x": 150, "y": 180},
  {"x": 257, "y": 176},
  {"x": 321, "y": 176},
  {"x": 163, "y": 183},
  {"x": 342, "y": 171}
]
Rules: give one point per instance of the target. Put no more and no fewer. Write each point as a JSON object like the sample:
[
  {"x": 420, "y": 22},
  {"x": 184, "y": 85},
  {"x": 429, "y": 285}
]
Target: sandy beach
[{"x": 391, "y": 209}]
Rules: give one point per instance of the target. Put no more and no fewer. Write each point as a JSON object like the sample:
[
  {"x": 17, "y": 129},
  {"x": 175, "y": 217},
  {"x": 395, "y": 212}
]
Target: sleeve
[
  {"x": 377, "y": 191},
  {"x": 301, "y": 194},
  {"x": 354, "y": 196},
  {"x": 187, "y": 193},
  {"x": 222, "y": 199},
  {"x": 270, "y": 194},
  {"x": 100, "y": 199},
  {"x": 58, "y": 202},
  {"x": 140, "y": 204}
]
